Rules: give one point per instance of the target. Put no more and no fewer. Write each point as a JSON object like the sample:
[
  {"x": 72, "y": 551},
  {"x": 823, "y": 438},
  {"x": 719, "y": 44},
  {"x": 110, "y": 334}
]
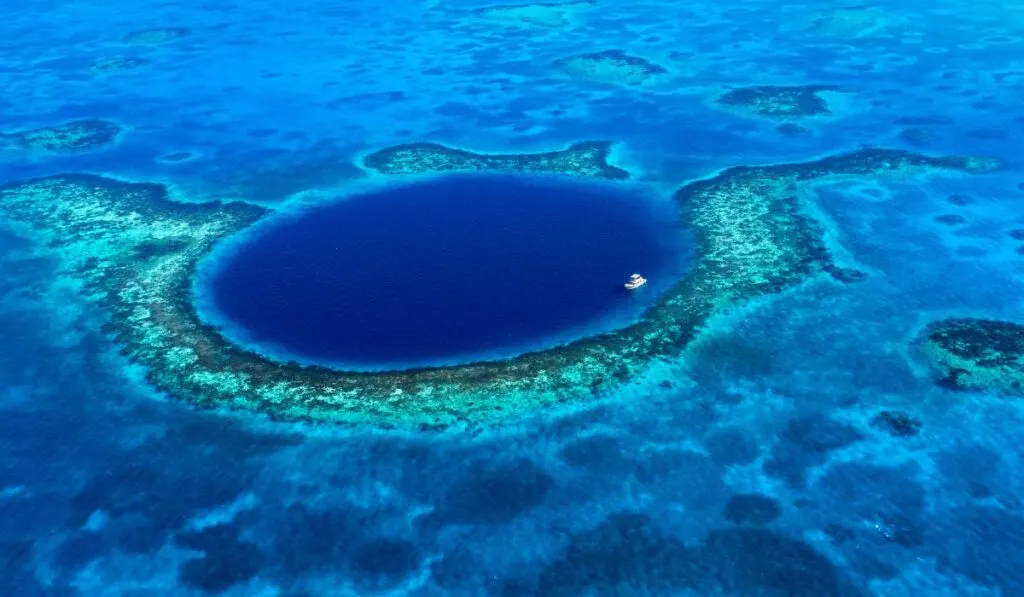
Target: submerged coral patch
[
  {"x": 260, "y": 174},
  {"x": 119, "y": 64},
  {"x": 634, "y": 552},
  {"x": 918, "y": 136},
  {"x": 77, "y": 135},
  {"x": 896, "y": 423},
  {"x": 790, "y": 129},
  {"x": 157, "y": 35},
  {"x": 545, "y": 14},
  {"x": 752, "y": 238},
  {"x": 610, "y": 66},
  {"x": 975, "y": 354},
  {"x": 779, "y": 101},
  {"x": 581, "y": 159}
]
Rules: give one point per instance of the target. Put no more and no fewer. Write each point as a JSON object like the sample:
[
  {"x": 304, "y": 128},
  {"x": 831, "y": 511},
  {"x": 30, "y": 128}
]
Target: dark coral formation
[
  {"x": 918, "y": 136},
  {"x": 976, "y": 354},
  {"x": 119, "y": 64},
  {"x": 628, "y": 554},
  {"x": 225, "y": 562},
  {"x": 336, "y": 539},
  {"x": 877, "y": 515},
  {"x": 779, "y": 101},
  {"x": 490, "y": 494},
  {"x": 960, "y": 200},
  {"x": 339, "y": 540},
  {"x": 610, "y": 66},
  {"x": 896, "y": 423},
  {"x": 135, "y": 251},
  {"x": 731, "y": 447},
  {"x": 600, "y": 452},
  {"x": 580, "y": 159},
  {"x": 145, "y": 498},
  {"x": 806, "y": 443},
  {"x": 77, "y": 135},
  {"x": 261, "y": 174},
  {"x": 950, "y": 219}
]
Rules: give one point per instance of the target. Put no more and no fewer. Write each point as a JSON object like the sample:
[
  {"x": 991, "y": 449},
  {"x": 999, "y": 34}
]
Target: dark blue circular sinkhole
[{"x": 454, "y": 269}]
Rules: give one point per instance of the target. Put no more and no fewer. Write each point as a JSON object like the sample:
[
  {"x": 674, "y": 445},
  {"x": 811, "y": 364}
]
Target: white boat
[{"x": 635, "y": 281}]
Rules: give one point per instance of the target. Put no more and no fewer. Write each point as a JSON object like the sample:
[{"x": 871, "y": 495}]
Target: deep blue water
[
  {"x": 463, "y": 267},
  {"x": 751, "y": 466}
]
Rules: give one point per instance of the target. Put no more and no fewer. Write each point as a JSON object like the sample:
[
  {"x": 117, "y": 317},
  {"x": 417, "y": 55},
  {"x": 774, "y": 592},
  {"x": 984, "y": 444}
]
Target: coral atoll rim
[
  {"x": 975, "y": 354},
  {"x": 135, "y": 251},
  {"x": 610, "y": 66}
]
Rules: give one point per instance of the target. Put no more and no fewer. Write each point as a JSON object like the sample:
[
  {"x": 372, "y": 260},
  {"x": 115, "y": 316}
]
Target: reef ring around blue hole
[{"x": 443, "y": 271}]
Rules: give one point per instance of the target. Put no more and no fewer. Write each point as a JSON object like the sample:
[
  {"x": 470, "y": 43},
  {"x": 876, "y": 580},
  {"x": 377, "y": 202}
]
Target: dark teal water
[{"x": 465, "y": 267}]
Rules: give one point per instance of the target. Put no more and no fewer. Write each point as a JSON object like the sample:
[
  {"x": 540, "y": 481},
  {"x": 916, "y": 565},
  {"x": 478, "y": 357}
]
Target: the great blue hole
[{"x": 455, "y": 269}]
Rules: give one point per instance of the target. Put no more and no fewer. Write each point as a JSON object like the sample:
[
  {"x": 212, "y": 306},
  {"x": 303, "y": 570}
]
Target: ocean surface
[{"x": 800, "y": 445}]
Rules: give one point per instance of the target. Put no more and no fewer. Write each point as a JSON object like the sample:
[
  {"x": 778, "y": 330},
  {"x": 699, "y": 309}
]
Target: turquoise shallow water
[{"x": 765, "y": 468}]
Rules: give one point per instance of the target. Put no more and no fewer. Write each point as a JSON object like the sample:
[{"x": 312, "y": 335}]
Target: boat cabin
[{"x": 635, "y": 281}]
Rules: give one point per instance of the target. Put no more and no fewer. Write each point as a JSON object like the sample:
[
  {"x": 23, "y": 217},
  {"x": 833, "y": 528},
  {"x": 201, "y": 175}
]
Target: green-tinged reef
[
  {"x": 135, "y": 251},
  {"x": 157, "y": 35},
  {"x": 589, "y": 158},
  {"x": 119, "y": 64},
  {"x": 544, "y": 14},
  {"x": 779, "y": 101},
  {"x": 77, "y": 135},
  {"x": 975, "y": 354},
  {"x": 610, "y": 66}
]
